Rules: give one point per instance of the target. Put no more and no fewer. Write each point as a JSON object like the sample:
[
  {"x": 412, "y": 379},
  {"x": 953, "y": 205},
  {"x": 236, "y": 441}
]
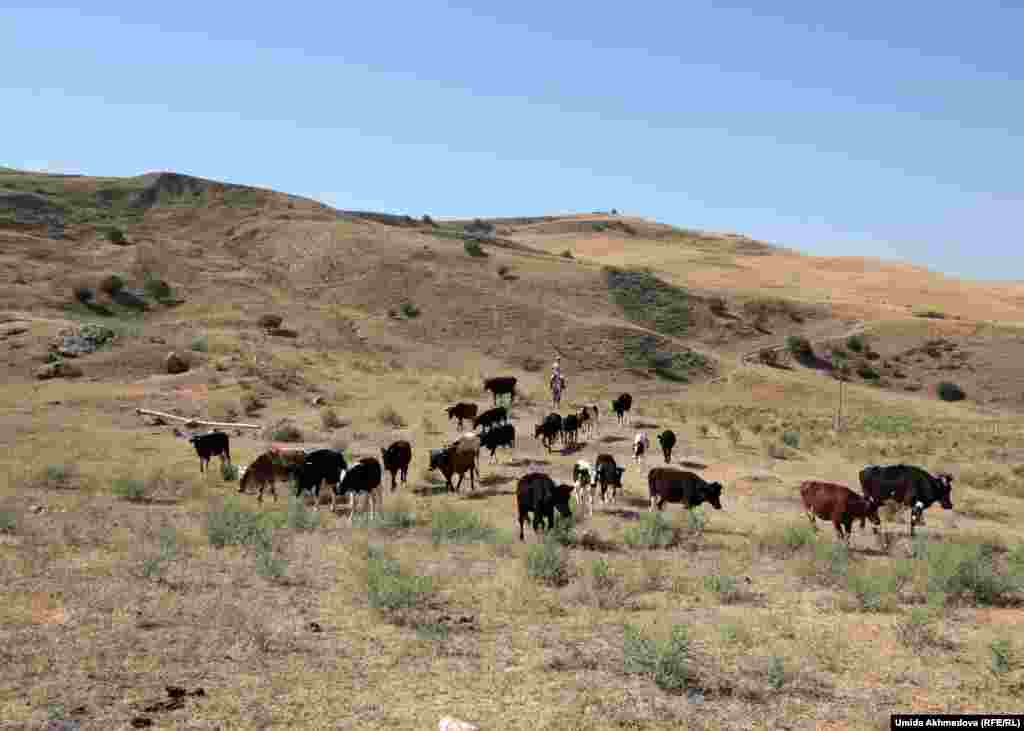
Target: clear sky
[{"x": 891, "y": 129}]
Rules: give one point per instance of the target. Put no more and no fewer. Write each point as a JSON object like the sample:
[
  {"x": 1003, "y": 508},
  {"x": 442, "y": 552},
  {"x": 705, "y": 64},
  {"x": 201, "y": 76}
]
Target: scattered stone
[
  {"x": 176, "y": 363},
  {"x": 271, "y": 321},
  {"x": 453, "y": 724},
  {"x": 157, "y": 339},
  {"x": 60, "y": 369},
  {"x": 315, "y": 627},
  {"x": 135, "y": 298},
  {"x": 37, "y": 509},
  {"x": 141, "y": 722},
  {"x": 319, "y": 401}
]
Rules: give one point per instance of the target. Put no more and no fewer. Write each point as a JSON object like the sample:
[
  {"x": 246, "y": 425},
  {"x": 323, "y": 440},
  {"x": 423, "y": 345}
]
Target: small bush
[
  {"x": 330, "y": 420},
  {"x": 270, "y": 564},
  {"x": 8, "y": 521},
  {"x": 158, "y": 289},
  {"x": 791, "y": 439},
  {"x": 231, "y": 524},
  {"x": 388, "y": 587},
  {"x": 58, "y": 476},
  {"x": 547, "y": 563},
  {"x": 252, "y": 404},
  {"x": 129, "y": 489},
  {"x": 299, "y": 517},
  {"x": 228, "y": 472},
  {"x": 388, "y": 416},
  {"x": 473, "y": 248},
  {"x": 799, "y": 347},
  {"x": 736, "y": 633},
  {"x": 503, "y": 270},
  {"x": 601, "y": 574},
  {"x": 950, "y": 392},
  {"x": 776, "y": 673},
  {"x": 564, "y": 532},
  {"x": 653, "y": 530},
  {"x": 965, "y": 571},
  {"x": 111, "y": 284},
  {"x": 270, "y": 322},
  {"x": 666, "y": 663},
  {"x": 284, "y": 431},
  {"x": 916, "y": 630},
  {"x": 867, "y": 372},
  {"x": 933, "y": 314},
  {"x": 696, "y": 522},
  {"x": 873, "y": 592},
  {"x": 409, "y": 310},
  {"x": 856, "y": 343},
  {"x": 787, "y": 540},
  {"x": 726, "y": 588},
  {"x": 449, "y": 525},
  {"x": 1002, "y": 656},
  {"x": 115, "y": 236},
  {"x": 154, "y": 566},
  {"x": 399, "y": 517},
  {"x": 201, "y": 344}
]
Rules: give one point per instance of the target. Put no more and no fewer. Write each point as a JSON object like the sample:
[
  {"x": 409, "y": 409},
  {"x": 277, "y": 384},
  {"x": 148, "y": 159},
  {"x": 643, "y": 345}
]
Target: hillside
[{"x": 126, "y": 570}]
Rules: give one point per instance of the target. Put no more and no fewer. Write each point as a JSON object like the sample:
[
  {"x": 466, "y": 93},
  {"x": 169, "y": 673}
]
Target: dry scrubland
[{"x": 125, "y": 570}]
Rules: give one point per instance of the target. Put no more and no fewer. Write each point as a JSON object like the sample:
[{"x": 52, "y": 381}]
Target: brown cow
[
  {"x": 269, "y": 468},
  {"x": 839, "y": 504},
  {"x": 455, "y": 459}
]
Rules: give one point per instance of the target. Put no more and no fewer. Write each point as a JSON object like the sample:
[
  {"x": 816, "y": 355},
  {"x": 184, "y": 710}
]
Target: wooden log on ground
[{"x": 197, "y": 422}]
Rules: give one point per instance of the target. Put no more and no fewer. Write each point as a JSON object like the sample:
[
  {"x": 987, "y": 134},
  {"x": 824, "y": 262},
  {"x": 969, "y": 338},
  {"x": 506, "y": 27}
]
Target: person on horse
[{"x": 557, "y": 382}]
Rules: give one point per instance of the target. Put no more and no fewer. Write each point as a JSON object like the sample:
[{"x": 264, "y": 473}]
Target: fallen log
[{"x": 197, "y": 422}]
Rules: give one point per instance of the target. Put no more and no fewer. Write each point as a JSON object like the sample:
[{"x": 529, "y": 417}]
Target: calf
[
  {"x": 839, "y": 504},
  {"x": 671, "y": 485},
  {"x": 907, "y": 485},
  {"x": 396, "y": 459},
  {"x": 548, "y": 430},
  {"x": 570, "y": 429},
  {"x": 583, "y": 477},
  {"x": 320, "y": 466},
  {"x": 491, "y": 417},
  {"x": 500, "y": 436},
  {"x": 211, "y": 444},
  {"x": 452, "y": 460},
  {"x": 593, "y": 416},
  {"x": 268, "y": 469},
  {"x": 583, "y": 416},
  {"x": 609, "y": 477},
  {"x": 667, "y": 440},
  {"x": 461, "y": 411},
  {"x": 537, "y": 493},
  {"x": 364, "y": 477},
  {"x": 640, "y": 445},
  {"x": 502, "y": 385},
  {"x": 621, "y": 407}
]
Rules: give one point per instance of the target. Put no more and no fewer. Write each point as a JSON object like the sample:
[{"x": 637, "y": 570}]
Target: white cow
[
  {"x": 583, "y": 483},
  {"x": 640, "y": 445}
]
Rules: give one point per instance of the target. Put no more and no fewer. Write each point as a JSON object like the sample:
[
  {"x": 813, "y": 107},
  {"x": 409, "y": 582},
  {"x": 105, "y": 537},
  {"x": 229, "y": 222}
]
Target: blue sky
[{"x": 870, "y": 128}]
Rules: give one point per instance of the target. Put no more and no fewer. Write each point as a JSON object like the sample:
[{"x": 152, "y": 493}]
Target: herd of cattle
[{"x": 537, "y": 493}]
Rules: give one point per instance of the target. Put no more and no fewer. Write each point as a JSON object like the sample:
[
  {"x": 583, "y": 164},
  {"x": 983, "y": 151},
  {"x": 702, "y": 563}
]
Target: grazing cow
[
  {"x": 548, "y": 430},
  {"x": 500, "y": 436},
  {"x": 364, "y": 477},
  {"x": 583, "y": 417},
  {"x": 570, "y": 429},
  {"x": 839, "y": 504},
  {"x": 667, "y": 440},
  {"x": 461, "y": 411},
  {"x": 907, "y": 485},
  {"x": 593, "y": 414},
  {"x": 501, "y": 385},
  {"x": 490, "y": 418},
  {"x": 609, "y": 477},
  {"x": 671, "y": 485},
  {"x": 268, "y": 469},
  {"x": 584, "y": 483},
  {"x": 211, "y": 444},
  {"x": 320, "y": 466},
  {"x": 396, "y": 458},
  {"x": 640, "y": 445},
  {"x": 621, "y": 407},
  {"x": 455, "y": 460},
  {"x": 537, "y": 493},
  {"x": 468, "y": 442}
]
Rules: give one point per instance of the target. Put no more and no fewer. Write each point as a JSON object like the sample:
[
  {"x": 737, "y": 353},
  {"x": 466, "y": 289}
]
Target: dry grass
[{"x": 107, "y": 600}]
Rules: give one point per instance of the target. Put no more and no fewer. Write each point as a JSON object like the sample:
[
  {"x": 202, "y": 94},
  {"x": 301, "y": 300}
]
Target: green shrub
[
  {"x": 696, "y": 522},
  {"x": 873, "y": 592},
  {"x": 564, "y": 531},
  {"x": 791, "y": 439},
  {"x": 409, "y": 310},
  {"x": 787, "y": 540},
  {"x": 726, "y": 588},
  {"x": 856, "y": 343},
  {"x": 157, "y": 288},
  {"x": 473, "y": 248},
  {"x": 397, "y": 518},
  {"x": 115, "y": 236},
  {"x": 867, "y": 372},
  {"x": 299, "y": 517},
  {"x": 916, "y": 630},
  {"x": 776, "y": 673},
  {"x": 648, "y": 301},
  {"x": 933, "y": 314},
  {"x": 950, "y": 392},
  {"x": 8, "y": 521},
  {"x": 231, "y": 524},
  {"x": 1002, "y": 656},
  {"x": 129, "y": 489},
  {"x": 666, "y": 663},
  {"x": 799, "y": 347},
  {"x": 228, "y": 472},
  {"x": 547, "y": 563},
  {"x": 653, "y": 530},
  {"x": 601, "y": 574},
  {"x": 201, "y": 344},
  {"x": 432, "y": 631},
  {"x": 449, "y": 525},
  {"x": 285, "y": 432},
  {"x": 111, "y": 284},
  {"x": 270, "y": 564},
  {"x": 58, "y": 476},
  {"x": 965, "y": 571},
  {"x": 153, "y": 566},
  {"x": 389, "y": 587}
]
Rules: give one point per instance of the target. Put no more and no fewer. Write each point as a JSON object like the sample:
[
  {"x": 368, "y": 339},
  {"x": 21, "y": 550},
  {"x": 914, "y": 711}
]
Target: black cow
[
  {"x": 211, "y": 444},
  {"x": 621, "y": 407},
  {"x": 491, "y": 417},
  {"x": 461, "y": 411},
  {"x": 667, "y": 440},
  {"x": 537, "y": 493},
  {"x": 364, "y": 477},
  {"x": 501, "y": 385},
  {"x": 609, "y": 475},
  {"x": 570, "y": 429},
  {"x": 396, "y": 458},
  {"x": 671, "y": 485},
  {"x": 907, "y": 485},
  {"x": 548, "y": 430},
  {"x": 320, "y": 466},
  {"x": 499, "y": 436}
]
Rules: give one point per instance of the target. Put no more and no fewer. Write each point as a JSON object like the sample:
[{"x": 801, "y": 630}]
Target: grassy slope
[{"x": 86, "y": 634}]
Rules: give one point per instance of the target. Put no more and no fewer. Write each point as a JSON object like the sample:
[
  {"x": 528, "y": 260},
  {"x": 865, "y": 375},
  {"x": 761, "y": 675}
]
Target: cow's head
[
  {"x": 871, "y": 513},
  {"x": 562, "y": 494},
  {"x": 437, "y": 458},
  {"x": 713, "y": 494},
  {"x": 944, "y": 483},
  {"x": 619, "y": 471}
]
